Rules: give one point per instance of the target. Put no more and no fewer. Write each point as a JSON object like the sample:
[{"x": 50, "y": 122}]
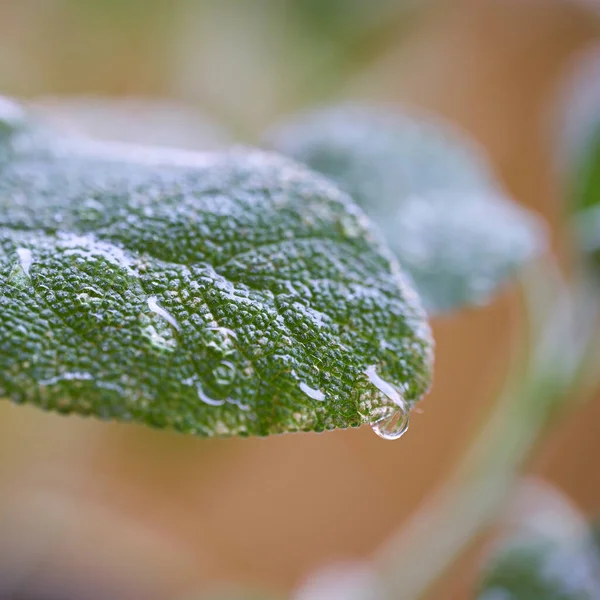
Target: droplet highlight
[
  {"x": 25, "y": 259},
  {"x": 312, "y": 392},
  {"x": 225, "y": 332},
  {"x": 383, "y": 386},
  {"x": 207, "y": 399},
  {"x": 161, "y": 312},
  {"x": 225, "y": 374},
  {"x": 66, "y": 377},
  {"x": 394, "y": 422}
]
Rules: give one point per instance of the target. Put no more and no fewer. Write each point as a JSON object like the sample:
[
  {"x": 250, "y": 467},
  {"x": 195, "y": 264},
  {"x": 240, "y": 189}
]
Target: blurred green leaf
[
  {"x": 551, "y": 554},
  {"x": 543, "y": 568},
  {"x": 429, "y": 190},
  {"x": 216, "y": 294},
  {"x": 579, "y": 151},
  {"x": 586, "y": 210}
]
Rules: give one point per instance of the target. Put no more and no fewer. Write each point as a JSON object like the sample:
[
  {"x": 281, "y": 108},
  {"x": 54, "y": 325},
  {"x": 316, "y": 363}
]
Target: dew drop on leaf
[
  {"x": 394, "y": 422},
  {"x": 383, "y": 386},
  {"x": 393, "y": 425},
  {"x": 161, "y": 312},
  {"x": 225, "y": 373},
  {"x": 207, "y": 399},
  {"x": 312, "y": 392},
  {"x": 25, "y": 259}
]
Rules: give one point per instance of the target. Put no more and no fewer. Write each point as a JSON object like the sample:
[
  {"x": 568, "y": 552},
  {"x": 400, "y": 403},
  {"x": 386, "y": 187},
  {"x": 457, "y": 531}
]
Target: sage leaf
[
  {"x": 429, "y": 191},
  {"x": 233, "y": 293}
]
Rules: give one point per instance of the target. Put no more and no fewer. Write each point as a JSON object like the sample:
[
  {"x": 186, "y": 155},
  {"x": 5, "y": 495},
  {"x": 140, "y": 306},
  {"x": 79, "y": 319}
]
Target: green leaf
[
  {"x": 216, "y": 294},
  {"x": 430, "y": 192}
]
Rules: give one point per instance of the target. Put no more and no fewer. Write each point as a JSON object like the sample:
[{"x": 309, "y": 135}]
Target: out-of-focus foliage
[
  {"x": 587, "y": 208},
  {"x": 233, "y": 595},
  {"x": 241, "y": 61},
  {"x": 543, "y": 568},
  {"x": 580, "y": 151},
  {"x": 344, "y": 581},
  {"x": 132, "y": 120},
  {"x": 550, "y": 555},
  {"x": 433, "y": 197}
]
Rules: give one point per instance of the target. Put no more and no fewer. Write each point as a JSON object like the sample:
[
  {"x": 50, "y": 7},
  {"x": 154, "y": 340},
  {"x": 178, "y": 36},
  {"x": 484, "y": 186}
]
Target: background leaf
[
  {"x": 430, "y": 192},
  {"x": 549, "y": 555},
  {"x": 543, "y": 568},
  {"x": 216, "y": 294},
  {"x": 579, "y": 150},
  {"x": 133, "y": 120}
]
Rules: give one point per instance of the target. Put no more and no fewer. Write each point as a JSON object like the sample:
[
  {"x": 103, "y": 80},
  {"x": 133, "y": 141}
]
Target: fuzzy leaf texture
[
  {"x": 216, "y": 294},
  {"x": 429, "y": 191}
]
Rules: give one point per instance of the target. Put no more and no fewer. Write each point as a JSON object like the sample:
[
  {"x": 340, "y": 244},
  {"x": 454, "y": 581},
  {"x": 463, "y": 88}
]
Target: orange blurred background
[{"x": 131, "y": 513}]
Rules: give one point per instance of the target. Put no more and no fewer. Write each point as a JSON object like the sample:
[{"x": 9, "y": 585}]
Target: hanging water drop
[
  {"x": 393, "y": 425},
  {"x": 394, "y": 422}
]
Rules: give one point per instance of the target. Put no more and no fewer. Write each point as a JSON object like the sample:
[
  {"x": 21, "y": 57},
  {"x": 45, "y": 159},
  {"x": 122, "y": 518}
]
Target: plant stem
[{"x": 550, "y": 373}]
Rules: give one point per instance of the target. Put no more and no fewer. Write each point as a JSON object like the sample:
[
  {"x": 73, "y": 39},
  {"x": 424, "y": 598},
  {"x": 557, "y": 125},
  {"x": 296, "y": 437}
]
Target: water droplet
[
  {"x": 239, "y": 404},
  {"x": 393, "y": 425},
  {"x": 225, "y": 373},
  {"x": 67, "y": 377},
  {"x": 312, "y": 392},
  {"x": 393, "y": 422},
  {"x": 222, "y": 340},
  {"x": 88, "y": 247},
  {"x": 159, "y": 340},
  {"x": 383, "y": 386},
  {"x": 225, "y": 332},
  {"x": 351, "y": 226},
  {"x": 161, "y": 312},
  {"x": 25, "y": 259},
  {"x": 206, "y": 399}
]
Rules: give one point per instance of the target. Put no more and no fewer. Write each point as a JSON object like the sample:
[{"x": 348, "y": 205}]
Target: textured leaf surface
[
  {"x": 429, "y": 191},
  {"x": 216, "y": 294}
]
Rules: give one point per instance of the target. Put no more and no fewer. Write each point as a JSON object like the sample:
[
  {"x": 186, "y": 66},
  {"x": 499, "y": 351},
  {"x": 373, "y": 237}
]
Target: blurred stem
[{"x": 556, "y": 365}]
